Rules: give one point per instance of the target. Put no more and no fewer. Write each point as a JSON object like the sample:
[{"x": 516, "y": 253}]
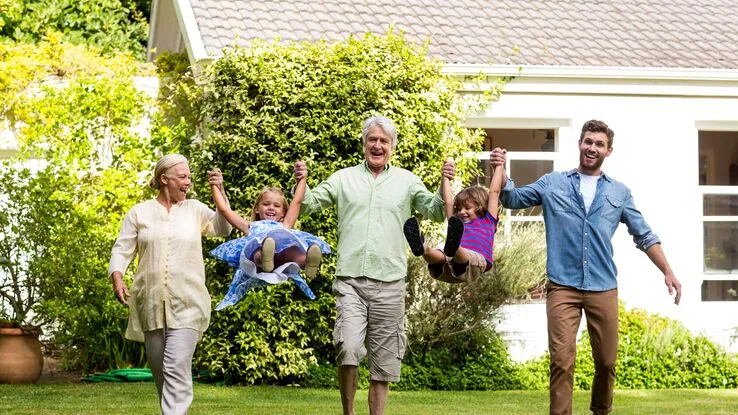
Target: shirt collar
[
  {"x": 366, "y": 166},
  {"x": 575, "y": 171}
]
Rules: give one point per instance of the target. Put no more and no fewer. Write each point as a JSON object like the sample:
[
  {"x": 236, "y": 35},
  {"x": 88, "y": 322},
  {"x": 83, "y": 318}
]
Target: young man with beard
[{"x": 582, "y": 208}]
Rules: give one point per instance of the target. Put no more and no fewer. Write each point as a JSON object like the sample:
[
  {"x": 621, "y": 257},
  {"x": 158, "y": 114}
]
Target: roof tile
[{"x": 672, "y": 33}]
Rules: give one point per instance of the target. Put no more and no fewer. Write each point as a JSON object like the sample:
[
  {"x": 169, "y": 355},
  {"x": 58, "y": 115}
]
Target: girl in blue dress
[{"x": 270, "y": 251}]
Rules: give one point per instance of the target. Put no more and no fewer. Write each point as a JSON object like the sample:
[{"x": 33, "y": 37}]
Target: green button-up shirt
[{"x": 371, "y": 212}]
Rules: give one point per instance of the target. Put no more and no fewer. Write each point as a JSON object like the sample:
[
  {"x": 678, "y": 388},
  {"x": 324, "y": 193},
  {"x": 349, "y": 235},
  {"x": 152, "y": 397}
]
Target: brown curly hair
[
  {"x": 265, "y": 190},
  {"x": 596, "y": 126},
  {"x": 479, "y": 197}
]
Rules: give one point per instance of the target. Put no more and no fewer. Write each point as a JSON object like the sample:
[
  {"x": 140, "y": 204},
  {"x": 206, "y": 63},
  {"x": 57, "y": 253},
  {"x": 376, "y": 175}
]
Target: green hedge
[
  {"x": 272, "y": 104},
  {"x": 654, "y": 353}
]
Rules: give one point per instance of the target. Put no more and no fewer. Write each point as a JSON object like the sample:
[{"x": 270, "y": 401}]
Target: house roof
[{"x": 612, "y": 33}]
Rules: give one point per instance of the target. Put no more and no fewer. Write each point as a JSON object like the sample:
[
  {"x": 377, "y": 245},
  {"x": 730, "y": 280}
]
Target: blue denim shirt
[{"x": 579, "y": 244}]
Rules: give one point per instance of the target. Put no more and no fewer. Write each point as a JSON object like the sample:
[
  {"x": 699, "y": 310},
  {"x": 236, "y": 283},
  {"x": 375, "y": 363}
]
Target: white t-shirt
[{"x": 588, "y": 188}]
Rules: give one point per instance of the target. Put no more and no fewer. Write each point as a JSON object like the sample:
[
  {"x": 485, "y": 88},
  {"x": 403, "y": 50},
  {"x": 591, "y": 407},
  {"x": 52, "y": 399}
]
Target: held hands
[
  {"x": 300, "y": 171},
  {"x": 215, "y": 178},
  {"x": 674, "y": 286},
  {"x": 448, "y": 171},
  {"x": 498, "y": 157},
  {"x": 119, "y": 288}
]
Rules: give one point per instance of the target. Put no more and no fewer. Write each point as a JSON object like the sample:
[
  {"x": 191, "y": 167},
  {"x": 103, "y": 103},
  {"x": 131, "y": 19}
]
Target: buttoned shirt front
[
  {"x": 579, "y": 243},
  {"x": 169, "y": 285},
  {"x": 371, "y": 212}
]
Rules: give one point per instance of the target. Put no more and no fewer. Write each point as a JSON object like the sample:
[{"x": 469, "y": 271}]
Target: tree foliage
[
  {"x": 73, "y": 113},
  {"x": 113, "y": 26},
  {"x": 272, "y": 104}
]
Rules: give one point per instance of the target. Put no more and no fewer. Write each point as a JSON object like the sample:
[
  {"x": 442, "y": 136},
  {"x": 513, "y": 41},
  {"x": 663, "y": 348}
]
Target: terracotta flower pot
[{"x": 21, "y": 360}]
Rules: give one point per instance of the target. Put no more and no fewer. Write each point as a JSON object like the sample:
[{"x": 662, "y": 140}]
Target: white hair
[
  {"x": 162, "y": 167},
  {"x": 384, "y": 123}
]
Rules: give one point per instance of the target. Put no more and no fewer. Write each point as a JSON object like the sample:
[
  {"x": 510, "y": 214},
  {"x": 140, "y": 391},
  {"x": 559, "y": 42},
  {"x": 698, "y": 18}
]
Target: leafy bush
[
  {"x": 438, "y": 312},
  {"x": 75, "y": 109},
  {"x": 110, "y": 25},
  {"x": 273, "y": 104},
  {"x": 654, "y": 353}
]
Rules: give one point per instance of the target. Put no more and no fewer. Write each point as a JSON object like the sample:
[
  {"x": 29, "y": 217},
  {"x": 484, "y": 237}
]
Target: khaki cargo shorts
[
  {"x": 477, "y": 267},
  {"x": 370, "y": 322}
]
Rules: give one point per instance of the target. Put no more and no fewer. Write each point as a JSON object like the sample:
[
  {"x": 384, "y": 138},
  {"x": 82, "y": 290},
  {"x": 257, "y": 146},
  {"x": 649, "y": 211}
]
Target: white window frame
[
  {"x": 705, "y": 190},
  {"x": 555, "y": 124}
]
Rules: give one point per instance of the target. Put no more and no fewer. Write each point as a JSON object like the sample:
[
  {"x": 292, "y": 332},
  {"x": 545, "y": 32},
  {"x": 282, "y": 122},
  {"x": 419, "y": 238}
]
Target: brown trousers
[{"x": 564, "y": 307}]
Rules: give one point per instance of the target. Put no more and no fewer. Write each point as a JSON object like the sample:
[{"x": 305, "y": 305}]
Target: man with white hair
[{"x": 373, "y": 200}]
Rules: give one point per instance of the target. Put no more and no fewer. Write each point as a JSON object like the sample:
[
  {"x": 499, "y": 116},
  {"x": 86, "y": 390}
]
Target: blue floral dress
[{"x": 239, "y": 253}]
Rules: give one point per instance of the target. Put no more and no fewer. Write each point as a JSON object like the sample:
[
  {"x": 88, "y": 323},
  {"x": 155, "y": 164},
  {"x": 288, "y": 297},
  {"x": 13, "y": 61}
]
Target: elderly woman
[
  {"x": 169, "y": 304},
  {"x": 373, "y": 199}
]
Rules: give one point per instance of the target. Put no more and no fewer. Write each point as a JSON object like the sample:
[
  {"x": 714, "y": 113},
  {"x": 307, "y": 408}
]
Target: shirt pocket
[
  {"x": 612, "y": 209},
  {"x": 561, "y": 201}
]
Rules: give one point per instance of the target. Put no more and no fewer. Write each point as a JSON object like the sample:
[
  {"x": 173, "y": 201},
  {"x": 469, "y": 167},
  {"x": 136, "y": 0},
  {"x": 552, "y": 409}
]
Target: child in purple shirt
[{"x": 472, "y": 223}]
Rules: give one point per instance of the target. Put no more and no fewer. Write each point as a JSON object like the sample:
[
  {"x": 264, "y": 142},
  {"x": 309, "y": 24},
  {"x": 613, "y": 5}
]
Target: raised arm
[
  {"x": 222, "y": 204},
  {"x": 290, "y": 218},
  {"x": 448, "y": 197},
  {"x": 495, "y": 186},
  {"x": 517, "y": 198},
  {"x": 323, "y": 196}
]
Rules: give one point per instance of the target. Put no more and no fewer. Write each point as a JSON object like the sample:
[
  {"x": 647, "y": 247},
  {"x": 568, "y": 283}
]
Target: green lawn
[{"x": 140, "y": 399}]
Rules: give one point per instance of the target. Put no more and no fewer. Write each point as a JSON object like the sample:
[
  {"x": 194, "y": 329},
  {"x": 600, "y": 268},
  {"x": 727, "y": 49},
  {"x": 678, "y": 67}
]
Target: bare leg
[
  {"x": 378, "y": 392},
  {"x": 257, "y": 257},
  {"x": 462, "y": 256},
  {"x": 348, "y": 379},
  {"x": 433, "y": 256},
  {"x": 291, "y": 254}
]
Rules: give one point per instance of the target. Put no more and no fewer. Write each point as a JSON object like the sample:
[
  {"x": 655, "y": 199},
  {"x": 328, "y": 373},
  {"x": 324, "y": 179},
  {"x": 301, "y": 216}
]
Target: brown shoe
[
  {"x": 312, "y": 261},
  {"x": 267, "y": 255}
]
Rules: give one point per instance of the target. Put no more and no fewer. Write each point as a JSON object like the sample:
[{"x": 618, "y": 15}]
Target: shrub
[
  {"x": 75, "y": 108},
  {"x": 273, "y": 104},
  {"x": 654, "y": 353}
]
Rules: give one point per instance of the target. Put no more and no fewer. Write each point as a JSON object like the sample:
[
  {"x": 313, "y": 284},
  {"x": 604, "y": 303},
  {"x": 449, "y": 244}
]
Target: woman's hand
[{"x": 119, "y": 287}]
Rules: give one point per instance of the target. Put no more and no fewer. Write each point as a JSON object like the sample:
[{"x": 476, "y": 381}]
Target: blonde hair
[
  {"x": 479, "y": 197},
  {"x": 162, "y": 167},
  {"x": 285, "y": 206}
]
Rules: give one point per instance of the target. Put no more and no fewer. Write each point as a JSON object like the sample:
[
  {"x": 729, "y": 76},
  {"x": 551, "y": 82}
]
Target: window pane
[
  {"x": 720, "y": 205},
  {"x": 526, "y": 172},
  {"x": 721, "y": 241},
  {"x": 718, "y": 158},
  {"x": 713, "y": 290},
  {"x": 520, "y": 140}
]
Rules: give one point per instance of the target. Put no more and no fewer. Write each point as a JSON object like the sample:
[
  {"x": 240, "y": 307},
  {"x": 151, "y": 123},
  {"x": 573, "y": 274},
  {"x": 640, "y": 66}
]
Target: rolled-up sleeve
[
  {"x": 524, "y": 197},
  {"x": 430, "y": 205},
  {"x": 642, "y": 234},
  {"x": 323, "y": 196},
  {"x": 124, "y": 249},
  {"x": 214, "y": 224}
]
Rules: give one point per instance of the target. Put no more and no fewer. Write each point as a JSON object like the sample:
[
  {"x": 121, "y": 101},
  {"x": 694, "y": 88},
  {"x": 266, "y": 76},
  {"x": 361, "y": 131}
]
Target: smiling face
[
  {"x": 176, "y": 182},
  {"x": 466, "y": 211},
  {"x": 377, "y": 148},
  {"x": 271, "y": 206},
  {"x": 593, "y": 148}
]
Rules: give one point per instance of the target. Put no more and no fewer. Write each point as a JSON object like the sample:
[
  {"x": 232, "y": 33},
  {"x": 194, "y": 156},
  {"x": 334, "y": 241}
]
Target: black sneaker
[
  {"x": 453, "y": 236},
  {"x": 411, "y": 229}
]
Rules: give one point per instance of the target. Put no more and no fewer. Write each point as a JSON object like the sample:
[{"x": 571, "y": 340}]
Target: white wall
[{"x": 655, "y": 155}]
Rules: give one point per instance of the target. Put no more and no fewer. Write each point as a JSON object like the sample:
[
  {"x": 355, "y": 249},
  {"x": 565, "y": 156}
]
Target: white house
[{"x": 662, "y": 73}]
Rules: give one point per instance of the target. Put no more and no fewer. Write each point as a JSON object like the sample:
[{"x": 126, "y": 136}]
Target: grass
[{"x": 140, "y": 398}]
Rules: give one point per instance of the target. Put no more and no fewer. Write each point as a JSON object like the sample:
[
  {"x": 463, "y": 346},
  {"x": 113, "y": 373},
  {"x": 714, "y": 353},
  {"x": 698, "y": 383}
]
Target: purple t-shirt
[{"x": 479, "y": 236}]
